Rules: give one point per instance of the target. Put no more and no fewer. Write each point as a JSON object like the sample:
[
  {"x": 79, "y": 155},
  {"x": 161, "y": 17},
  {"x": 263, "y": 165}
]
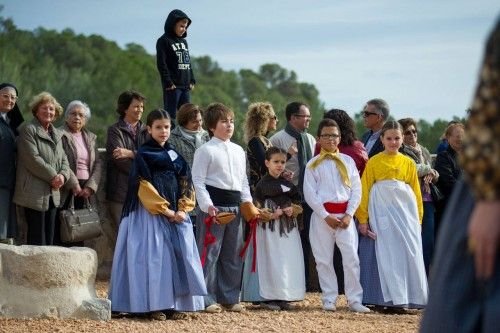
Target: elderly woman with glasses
[
  {"x": 427, "y": 177},
  {"x": 42, "y": 169},
  {"x": 10, "y": 119},
  {"x": 80, "y": 146}
]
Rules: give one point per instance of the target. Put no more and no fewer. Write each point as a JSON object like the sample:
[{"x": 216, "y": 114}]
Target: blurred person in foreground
[{"x": 465, "y": 278}]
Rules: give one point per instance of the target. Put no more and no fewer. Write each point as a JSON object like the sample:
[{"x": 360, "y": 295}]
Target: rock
[{"x": 50, "y": 282}]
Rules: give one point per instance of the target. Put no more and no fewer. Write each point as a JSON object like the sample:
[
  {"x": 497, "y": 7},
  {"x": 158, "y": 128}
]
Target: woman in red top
[{"x": 349, "y": 144}]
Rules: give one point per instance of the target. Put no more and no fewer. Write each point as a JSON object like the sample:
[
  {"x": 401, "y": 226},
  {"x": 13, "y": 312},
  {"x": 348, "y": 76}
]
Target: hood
[
  {"x": 15, "y": 116},
  {"x": 175, "y": 16}
]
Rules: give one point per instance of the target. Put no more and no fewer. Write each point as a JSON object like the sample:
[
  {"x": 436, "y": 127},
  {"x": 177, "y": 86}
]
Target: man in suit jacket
[{"x": 375, "y": 114}]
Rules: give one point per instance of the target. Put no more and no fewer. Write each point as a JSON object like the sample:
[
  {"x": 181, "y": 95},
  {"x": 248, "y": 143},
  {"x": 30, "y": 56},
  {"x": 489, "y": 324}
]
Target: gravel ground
[{"x": 309, "y": 317}]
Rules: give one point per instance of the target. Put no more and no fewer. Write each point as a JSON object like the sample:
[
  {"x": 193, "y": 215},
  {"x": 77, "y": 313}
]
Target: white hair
[{"x": 77, "y": 103}]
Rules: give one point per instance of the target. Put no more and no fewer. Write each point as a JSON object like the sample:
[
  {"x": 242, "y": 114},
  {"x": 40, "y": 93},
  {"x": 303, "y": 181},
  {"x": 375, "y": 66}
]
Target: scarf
[
  {"x": 324, "y": 155},
  {"x": 417, "y": 150},
  {"x": 304, "y": 150},
  {"x": 196, "y": 137}
]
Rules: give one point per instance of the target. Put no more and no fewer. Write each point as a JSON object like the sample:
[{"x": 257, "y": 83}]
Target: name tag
[
  {"x": 285, "y": 188},
  {"x": 173, "y": 155}
]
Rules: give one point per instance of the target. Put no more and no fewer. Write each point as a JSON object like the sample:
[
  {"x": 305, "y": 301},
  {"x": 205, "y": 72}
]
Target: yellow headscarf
[{"x": 323, "y": 155}]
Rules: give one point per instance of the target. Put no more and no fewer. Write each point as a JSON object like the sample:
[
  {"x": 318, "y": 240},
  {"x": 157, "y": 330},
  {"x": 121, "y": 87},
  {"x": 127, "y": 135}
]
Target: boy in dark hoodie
[{"x": 173, "y": 62}]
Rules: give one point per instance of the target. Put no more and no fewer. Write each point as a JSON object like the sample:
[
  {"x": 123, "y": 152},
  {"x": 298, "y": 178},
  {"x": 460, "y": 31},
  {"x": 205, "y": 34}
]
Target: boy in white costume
[{"x": 333, "y": 190}]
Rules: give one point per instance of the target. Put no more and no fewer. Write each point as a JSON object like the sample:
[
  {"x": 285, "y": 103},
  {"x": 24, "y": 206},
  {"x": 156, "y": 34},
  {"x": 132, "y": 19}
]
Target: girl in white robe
[{"x": 274, "y": 270}]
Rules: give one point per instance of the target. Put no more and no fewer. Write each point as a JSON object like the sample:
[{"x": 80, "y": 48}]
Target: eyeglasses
[
  {"x": 77, "y": 114},
  {"x": 366, "y": 114},
  {"x": 303, "y": 116},
  {"x": 7, "y": 96},
  {"x": 409, "y": 132},
  {"x": 329, "y": 136}
]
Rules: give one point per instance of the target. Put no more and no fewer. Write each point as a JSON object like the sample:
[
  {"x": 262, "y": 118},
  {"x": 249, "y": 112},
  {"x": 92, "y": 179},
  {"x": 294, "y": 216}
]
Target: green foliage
[{"x": 95, "y": 70}]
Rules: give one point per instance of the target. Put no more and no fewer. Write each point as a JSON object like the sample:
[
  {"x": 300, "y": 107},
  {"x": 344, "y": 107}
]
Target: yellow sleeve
[
  {"x": 151, "y": 200},
  {"x": 186, "y": 204},
  {"x": 412, "y": 180},
  {"x": 187, "y": 200},
  {"x": 367, "y": 180}
]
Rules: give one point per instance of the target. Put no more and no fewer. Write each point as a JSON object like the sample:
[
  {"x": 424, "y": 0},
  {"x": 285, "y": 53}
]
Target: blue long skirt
[{"x": 156, "y": 266}]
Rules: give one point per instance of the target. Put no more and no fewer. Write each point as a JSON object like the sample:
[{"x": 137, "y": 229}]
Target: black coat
[
  {"x": 172, "y": 54},
  {"x": 8, "y": 149},
  {"x": 449, "y": 171},
  {"x": 117, "y": 170}
]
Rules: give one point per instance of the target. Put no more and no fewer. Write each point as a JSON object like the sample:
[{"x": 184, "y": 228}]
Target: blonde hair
[
  {"x": 42, "y": 98},
  {"x": 257, "y": 119}
]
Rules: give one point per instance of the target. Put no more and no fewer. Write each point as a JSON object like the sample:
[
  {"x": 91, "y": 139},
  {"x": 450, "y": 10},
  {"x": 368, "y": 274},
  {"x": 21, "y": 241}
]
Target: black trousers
[{"x": 41, "y": 225}]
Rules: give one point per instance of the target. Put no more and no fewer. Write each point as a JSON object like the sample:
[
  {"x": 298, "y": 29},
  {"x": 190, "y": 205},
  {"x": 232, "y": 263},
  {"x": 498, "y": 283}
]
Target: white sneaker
[
  {"x": 358, "y": 307},
  {"x": 329, "y": 306}
]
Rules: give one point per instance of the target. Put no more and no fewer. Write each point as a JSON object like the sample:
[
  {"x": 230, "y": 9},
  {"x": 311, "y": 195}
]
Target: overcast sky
[{"x": 422, "y": 57}]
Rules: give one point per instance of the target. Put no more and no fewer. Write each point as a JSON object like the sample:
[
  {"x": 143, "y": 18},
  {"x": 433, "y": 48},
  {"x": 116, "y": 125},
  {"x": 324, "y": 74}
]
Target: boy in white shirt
[
  {"x": 221, "y": 185},
  {"x": 332, "y": 189}
]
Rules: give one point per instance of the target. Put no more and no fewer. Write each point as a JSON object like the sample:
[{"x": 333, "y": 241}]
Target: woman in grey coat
[
  {"x": 189, "y": 135},
  {"x": 83, "y": 157},
  {"x": 42, "y": 170}
]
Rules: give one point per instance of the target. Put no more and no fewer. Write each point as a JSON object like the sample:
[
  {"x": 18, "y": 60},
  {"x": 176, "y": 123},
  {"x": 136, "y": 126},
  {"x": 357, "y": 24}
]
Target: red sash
[
  {"x": 252, "y": 236},
  {"x": 209, "y": 238},
  {"x": 336, "y": 207}
]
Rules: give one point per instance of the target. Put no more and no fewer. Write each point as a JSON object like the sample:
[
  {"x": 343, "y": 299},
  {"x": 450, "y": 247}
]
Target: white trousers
[{"x": 323, "y": 238}]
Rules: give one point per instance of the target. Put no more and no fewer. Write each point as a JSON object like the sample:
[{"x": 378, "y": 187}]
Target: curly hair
[
  {"x": 257, "y": 119},
  {"x": 345, "y": 124},
  {"x": 42, "y": 98}
]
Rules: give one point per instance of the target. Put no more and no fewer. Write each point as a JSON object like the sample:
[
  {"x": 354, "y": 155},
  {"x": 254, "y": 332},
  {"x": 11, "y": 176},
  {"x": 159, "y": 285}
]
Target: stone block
[{"x": 50, "y": 282}]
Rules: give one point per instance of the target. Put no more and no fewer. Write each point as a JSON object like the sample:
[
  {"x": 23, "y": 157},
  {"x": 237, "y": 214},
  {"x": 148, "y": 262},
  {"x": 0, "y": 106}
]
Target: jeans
[{"x": 174, "y": 99}]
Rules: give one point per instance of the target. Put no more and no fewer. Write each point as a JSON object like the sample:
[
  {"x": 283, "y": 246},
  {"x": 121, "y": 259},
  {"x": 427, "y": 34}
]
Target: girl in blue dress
[{"x": 156, "y": 267}]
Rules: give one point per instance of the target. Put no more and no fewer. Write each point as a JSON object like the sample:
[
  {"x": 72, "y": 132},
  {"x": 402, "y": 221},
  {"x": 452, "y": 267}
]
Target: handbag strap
[{"x": 72, "y": 203}]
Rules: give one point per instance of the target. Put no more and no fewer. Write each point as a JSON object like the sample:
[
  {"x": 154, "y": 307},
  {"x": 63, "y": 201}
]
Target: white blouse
[{"x": 220, "y": 164}]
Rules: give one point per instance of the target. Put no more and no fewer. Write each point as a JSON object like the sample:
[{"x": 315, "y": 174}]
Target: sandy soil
[{"x": 308, "y": 318}]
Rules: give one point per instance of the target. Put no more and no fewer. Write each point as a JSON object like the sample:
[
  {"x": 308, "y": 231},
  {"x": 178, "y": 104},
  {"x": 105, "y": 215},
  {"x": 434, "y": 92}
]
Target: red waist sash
[{"x": 336, "y": 207}]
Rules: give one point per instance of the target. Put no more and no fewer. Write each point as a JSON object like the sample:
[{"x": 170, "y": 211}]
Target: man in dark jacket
[
  {"x": 375, "y": 114},
  {"x": 173, "y": 62}
]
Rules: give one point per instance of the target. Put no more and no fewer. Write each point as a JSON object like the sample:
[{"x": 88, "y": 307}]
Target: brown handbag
[{"x": 79, "y": 224}]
